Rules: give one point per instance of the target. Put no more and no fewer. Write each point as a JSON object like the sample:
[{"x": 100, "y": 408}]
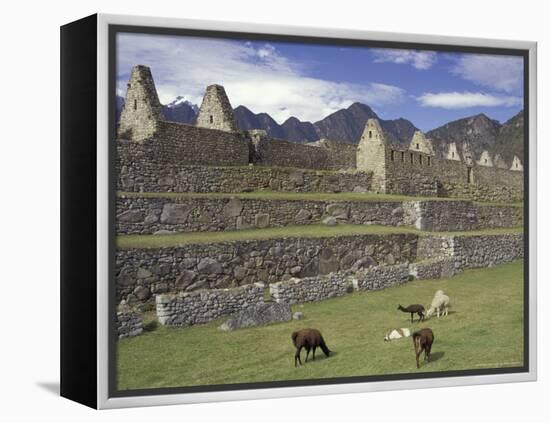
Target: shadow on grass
[
  {"x": 151, "y": 326},
  {"x": 436, "y": 356}
]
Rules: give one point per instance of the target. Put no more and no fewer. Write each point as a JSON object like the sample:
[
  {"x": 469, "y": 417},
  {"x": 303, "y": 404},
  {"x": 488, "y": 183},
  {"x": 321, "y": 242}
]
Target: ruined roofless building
[
  {"x": 142, "y": 109},
  {"x": 420, "y": 143},
  {"x": 371, "y": 153},
  {"x": 216, "y": 111}
]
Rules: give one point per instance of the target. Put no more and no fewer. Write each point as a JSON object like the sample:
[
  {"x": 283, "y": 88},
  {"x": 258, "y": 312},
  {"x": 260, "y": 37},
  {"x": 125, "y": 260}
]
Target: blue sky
[{"x": 311, "y": 81}]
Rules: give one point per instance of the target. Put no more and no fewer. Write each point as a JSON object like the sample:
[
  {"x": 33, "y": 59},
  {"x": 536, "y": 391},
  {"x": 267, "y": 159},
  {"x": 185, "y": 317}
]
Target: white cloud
[
  {"x": 418, "y": 59},
  {"x": 258, "y": 77},
  {"x": 457, "y": 100},
  {"x": 502, "y": 73}
]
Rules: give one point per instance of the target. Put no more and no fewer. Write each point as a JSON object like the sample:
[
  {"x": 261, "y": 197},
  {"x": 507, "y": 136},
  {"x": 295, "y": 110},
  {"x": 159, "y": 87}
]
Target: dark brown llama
[
  {"x": 308, "y": 339},
  {"x": 413, "y": 308},
  {"x": 423, "y": 340}
]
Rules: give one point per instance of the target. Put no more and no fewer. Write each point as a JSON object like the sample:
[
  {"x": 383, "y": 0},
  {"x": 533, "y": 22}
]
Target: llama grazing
[
  {"x": 308, "y": 339},
  {"x": 413, "y": 308},
  {"x": 440, "y": 304},
  {"x": 423, "y": 340},
  {"x": 397, "y": 334}
]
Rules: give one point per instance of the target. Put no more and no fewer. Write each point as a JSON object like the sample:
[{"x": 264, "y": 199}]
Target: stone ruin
[{"x": 197, "y": 283}]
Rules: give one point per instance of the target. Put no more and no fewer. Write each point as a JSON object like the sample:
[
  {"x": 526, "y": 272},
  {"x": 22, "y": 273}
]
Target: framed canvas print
[{"x": 255, "y": 211}]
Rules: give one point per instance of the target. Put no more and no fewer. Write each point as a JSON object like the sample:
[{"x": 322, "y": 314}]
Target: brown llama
[
  {"x": 423, "y": 340},
  {"x": 308, "y": 339},
  {"x": 413, "y": 308}
]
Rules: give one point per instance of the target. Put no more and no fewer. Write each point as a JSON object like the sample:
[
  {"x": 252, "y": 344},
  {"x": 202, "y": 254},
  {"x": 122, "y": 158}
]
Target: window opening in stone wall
[
  {"x": 429, "y": 161},
  {"x": 392, "y": 155},
  {"x": 417, "y": 146},
  {"x": 211, "y": 119},
  {"x": 470, "y": 175},
  {"x": 420, "y": 160},
  {"x": 412, "y": 159},
  {"x": 485, "y": 161},
  {"x": 135, "y": 104},
  {"x": 370, "y": 134},
  {"x": 453, "y": 154},
  {"x": 402, "y": 156}
]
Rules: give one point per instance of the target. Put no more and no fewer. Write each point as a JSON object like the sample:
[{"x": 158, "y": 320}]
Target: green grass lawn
[
  {"x": 319, "y": 230},
  {"x": 484, "y": 329}
]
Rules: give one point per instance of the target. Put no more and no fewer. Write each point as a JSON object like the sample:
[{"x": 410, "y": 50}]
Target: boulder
[
  {"x": 261, "y": 220},
  {"x": 330, "y": 221},
  {"x": 302, "y": 216},
  {"x": 185, "y": 279},
  {"x": 258, "y": 314},
  {"x": 131, "y": 216},
  {"x": 173, "y": 213},
  {"x": 338, "y": 211},
  {"x": 210, "y": 266},
  {"x": 233, "y": 208}
]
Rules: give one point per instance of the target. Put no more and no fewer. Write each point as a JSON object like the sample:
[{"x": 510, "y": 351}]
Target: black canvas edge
[
  {"x": 78, "y": 267},
  {"x": 115, "y": 28}
]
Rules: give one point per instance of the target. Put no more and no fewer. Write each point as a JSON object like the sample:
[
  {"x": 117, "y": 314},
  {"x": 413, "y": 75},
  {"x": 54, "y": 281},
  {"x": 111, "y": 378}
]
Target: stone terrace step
[
  {"x": 173, "y": 265},
  {"x": 148, "y": 213},
  {"x": 143, "y": 176},
  {"x": 125, "y": 242}
]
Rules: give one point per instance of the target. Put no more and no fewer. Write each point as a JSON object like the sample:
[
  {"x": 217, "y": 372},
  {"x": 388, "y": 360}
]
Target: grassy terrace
[
  {"x": 309, "y": 231},
  {"x": 477, "y": 334},
  {"x": 300, "y": 196}
]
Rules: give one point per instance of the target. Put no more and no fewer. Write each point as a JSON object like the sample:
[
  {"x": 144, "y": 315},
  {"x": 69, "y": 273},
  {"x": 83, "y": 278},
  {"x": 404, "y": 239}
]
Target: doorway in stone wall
[{"x": 470, "y": 175}]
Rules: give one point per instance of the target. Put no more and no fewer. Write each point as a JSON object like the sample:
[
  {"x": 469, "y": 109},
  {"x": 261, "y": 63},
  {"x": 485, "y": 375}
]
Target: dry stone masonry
[
  {"x": 216, "y": 140},
  {"x": 255, "y": 281},
  {"x": 143, "y": 215},
  {"x": 143, "y": 273}
]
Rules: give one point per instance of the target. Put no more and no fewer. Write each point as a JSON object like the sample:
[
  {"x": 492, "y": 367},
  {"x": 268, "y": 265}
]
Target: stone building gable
[
  {"x": 452, "y": 152},
  {"x": 516, "y": 164},
  {"x": 216, "y": 111},
  {"x": 485, "y": 159},
  {"x": 142, "y": 109},
  {"x": 371, "y": 154},
  {"x": 420, "y": 143}
]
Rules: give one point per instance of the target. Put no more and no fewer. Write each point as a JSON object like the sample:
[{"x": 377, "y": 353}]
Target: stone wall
[
  {"x": 137, "y": 175},
  {"x": 465, "y": 216},
  {"x": 432, "y": 269},
  {"x": 380, "y": 277},
  {"x": 140, "y": 215},
  {"x": 320, "y": 155},
  {"x": 128, "y": 324},
  {"x": 142, "y": 273},
  {"x": 191, "y": 308},
  {"x": 486, "y": 251},
  {"x": 410, "y": 173},
  {"x": 146, "y": 215},
  {"x": 471, "y": 251},
  {"x": 494, "y": 216},
  {"x": 314, "y": 288},
  {"x": 177, "y": 144},
  {"x": 485, "y": 183},
  {"x": 414, "y": 173}
]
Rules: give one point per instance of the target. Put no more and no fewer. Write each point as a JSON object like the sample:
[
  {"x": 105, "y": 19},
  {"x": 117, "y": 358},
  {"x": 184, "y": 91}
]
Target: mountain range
[{"x": 346, "y": 125}]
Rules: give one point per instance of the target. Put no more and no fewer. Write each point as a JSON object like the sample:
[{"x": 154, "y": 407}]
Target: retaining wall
[{"x": 191, "y": 308}]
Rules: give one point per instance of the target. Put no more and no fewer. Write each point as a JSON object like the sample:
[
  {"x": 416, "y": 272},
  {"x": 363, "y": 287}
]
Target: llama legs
[
  {"x": 314, "y": 348},
  {"x": 307, "y": 353},
  {"x": 297, "y": 357}
]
